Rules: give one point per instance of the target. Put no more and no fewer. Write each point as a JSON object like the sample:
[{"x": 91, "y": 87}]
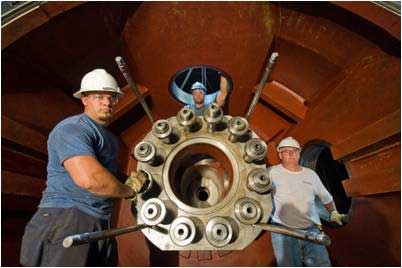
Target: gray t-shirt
[
  {"x": 76, "y": 136},
  {"x": 293, "y": 196}
]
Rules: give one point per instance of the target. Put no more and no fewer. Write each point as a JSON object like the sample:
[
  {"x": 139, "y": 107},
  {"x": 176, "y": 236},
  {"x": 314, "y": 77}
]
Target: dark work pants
[{"x": 45, "y": 232}]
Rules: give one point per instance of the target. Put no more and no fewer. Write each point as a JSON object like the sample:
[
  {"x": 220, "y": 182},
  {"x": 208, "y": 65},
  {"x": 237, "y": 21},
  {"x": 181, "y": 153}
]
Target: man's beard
[{"x": 105, "y": 116}]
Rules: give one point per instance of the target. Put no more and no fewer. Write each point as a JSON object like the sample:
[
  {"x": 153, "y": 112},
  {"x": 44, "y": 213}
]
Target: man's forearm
[
  {"x": 105, "y": 184},
  {"x": 90, "y": 175},
  {"x": 220, "y": 99}
]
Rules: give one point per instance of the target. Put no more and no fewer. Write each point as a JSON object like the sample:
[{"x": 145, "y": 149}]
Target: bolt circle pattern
[{"x": 202, "y": 176}]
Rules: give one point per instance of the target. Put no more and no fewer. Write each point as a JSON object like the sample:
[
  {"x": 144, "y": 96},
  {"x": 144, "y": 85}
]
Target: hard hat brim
[
  {"x": 202, "y": 89},
  {"x": 78, "y": 94},
  {"x": 279, "y": 148}
]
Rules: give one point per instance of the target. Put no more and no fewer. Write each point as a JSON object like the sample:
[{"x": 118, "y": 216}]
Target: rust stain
[
  {"x": 268, "y": 19},
  {"x": 176, "y": 11}
]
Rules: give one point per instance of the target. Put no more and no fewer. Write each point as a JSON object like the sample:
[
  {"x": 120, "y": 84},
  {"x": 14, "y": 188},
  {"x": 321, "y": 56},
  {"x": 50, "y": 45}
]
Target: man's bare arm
[
  {"x": 89, "y": 174},
  {"x": 220, "y": 99}
]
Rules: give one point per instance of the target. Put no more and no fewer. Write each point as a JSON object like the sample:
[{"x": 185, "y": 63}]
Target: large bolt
[
  {"x": 145, "y": 152},
  {"x": 247, "y": 210},
  {"x": 153, "y": 211},
  {"x": 219, "y": 232},
  {"x": 149, "y": 182},
  {"x": 255, "y": 150},
  {"x": 213, "y": 114},
  {"x": 237, "y": 127},
  {"x": 182, "y": 231},
  {"x": 186, "y": 118},
  {"x": 162, "y": 130},
  {"x": 258, "y": 180}
]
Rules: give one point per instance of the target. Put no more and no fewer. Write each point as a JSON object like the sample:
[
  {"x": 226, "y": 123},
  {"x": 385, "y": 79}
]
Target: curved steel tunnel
[{"x": 336, "y": 87}]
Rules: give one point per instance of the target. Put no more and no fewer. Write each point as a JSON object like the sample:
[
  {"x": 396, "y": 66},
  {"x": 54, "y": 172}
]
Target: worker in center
[{"x": 198, "y": 91}]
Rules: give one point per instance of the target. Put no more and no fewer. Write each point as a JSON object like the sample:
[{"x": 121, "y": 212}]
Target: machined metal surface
[
  {"x": 145, "y": 152},
  {"x": 202, "y": 181},
  {"x": 186, "y": 118},
  {"x": 264, "y": 78},
  {"x": 78, "y": 239},
  {"x": 237, "y": 127},
  {"x": 182, "y": 231},
  {"x": 254, "y": 150},
  {"x": 318, "y": 238},
  {"x": 153, "y": 212},
  {"x": 219, "y": 231},
  {"x": 248, "y": 211},
  {"x": 213, "y": 115},
  {"x": 162, "y": 129},
  {"x": 126, "y": 73},
  {"x": 259, "y": 181}
]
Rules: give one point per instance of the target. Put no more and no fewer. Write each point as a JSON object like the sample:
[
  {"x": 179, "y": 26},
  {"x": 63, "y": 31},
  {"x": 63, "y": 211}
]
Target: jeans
[
  {"x": 290, "y": 251},
  {"x": 45, "y": 232}
]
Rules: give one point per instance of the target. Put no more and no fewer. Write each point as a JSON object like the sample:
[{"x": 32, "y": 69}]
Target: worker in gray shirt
[{"x": 294, "y": 191}]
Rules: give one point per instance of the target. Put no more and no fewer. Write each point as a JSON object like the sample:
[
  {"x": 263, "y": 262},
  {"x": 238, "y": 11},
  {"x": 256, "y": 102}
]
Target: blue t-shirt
[{"x": 75, "y": 136}]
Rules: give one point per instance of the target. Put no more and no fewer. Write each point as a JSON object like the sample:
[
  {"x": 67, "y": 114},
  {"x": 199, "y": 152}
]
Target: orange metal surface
[
  {"x": 21, "y": 185},
  {"x": 375, "y": 13},
  {"x": 345, "y": 67},
  {"x": 128, "y": 101},
  {"x": 385, "y": 127},
  {"x": 372, "y": 237},
  {"x": 285, "y": 100},
  {"x": 18, "y": 28},
  {"x": 375, "y": 172}
]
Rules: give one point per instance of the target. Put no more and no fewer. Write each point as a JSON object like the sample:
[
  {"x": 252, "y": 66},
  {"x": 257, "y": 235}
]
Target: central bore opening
[
  {"x": 203, "y": 194},
  {"x": 181, "y": 232},
  {"x": 201, "y": 175}
]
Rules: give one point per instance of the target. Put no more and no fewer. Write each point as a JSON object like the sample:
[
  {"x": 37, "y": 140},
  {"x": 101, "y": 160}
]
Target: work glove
[
  {"x": 136, "y": 181},
  {"x": 336, "y": 217}
]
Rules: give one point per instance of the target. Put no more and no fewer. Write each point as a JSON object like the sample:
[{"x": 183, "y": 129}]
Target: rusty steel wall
[
  {"x": 345, "y": 67},
  {"x": 164, "y": 38}
]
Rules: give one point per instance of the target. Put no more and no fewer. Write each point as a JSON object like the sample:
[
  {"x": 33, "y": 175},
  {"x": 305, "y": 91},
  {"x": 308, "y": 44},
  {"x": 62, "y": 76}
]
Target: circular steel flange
[
  {"x": 153, "y": 211},
  {"x": 202, "y": 177},
  {"x": 248, "y": 211},
  {"x": 182, "y": 231},
  {"x": 258, "y": 181},
  {"x": 219, "y": 232}
]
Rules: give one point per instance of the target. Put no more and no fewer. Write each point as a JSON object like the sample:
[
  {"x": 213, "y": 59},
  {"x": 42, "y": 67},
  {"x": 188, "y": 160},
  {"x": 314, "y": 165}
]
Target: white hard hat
[
  {"x": 98, "y": 80},
  {"x": 288, "y": 142},
  {"x": 198, "y": 85}
]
